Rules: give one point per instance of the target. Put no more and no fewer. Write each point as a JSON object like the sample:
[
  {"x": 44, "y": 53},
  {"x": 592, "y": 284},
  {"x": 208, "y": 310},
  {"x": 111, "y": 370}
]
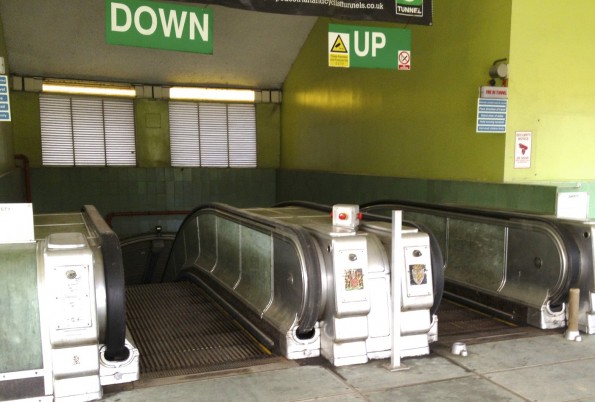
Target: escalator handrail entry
[{"x": 115, "y": 292}]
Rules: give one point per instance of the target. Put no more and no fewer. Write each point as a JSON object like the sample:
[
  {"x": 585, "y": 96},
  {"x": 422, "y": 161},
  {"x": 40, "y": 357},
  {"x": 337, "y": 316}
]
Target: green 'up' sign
[
  {"x": 369, "y": 47},
  {"x": 159, "y": 25}
]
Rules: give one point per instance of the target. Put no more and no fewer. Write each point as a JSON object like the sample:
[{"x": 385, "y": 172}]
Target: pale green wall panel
[
  {"x": 152, "y": 133},
  {"x": 552, "y": 89},
  {"x": 419, "y": 123},
  {"x": 27, "y": 126}
]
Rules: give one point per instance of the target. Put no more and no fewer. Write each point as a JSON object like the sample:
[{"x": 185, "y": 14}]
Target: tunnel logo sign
[
  {"x": 159, "y": 25},
  {"x": 410, "y": 8},
  {"x": 351, "y": 46}
]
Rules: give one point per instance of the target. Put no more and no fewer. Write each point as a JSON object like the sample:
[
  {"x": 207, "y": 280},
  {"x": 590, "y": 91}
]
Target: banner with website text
[{"x": 401, "y": 11}]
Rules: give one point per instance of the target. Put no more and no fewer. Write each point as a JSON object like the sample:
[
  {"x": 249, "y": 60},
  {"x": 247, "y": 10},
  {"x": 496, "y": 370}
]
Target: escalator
[
  {"x": 187, "y": 321},
  {"x": 516, "y": 266},
  {"x": 237, "y": 289},
  {"x": 246, "y": 287},
  {"x": 267, "y": 276}
]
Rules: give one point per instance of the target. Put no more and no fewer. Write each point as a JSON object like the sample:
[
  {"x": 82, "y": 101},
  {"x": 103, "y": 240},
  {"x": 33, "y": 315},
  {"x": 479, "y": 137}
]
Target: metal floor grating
[{"x": 179, "y": 331}]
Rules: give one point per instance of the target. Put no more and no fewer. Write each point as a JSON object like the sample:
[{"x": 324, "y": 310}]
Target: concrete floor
[{"x": 539, "y": 368}]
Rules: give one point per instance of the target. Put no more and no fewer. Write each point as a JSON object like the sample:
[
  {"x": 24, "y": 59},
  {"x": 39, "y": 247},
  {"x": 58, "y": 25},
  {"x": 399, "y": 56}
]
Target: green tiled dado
[
  {"x": 330, "y": 188},
  {"x": 12, "y": 188},
  {"x": 118, "y": 189}
]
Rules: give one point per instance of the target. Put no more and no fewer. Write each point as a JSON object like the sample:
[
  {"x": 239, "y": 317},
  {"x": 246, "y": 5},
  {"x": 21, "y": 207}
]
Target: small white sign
[
  {"x": 522, "y": 150},
  {"x": 493, "y": 92},
  {"x": 16, "y": 223},
  {"x": 573, "y": 205}
]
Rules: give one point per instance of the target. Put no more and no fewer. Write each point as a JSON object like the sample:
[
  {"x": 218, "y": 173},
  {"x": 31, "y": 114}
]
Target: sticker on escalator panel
[
  {"x": 354, "y": 279},
  {"x": 417, "y": 274}
]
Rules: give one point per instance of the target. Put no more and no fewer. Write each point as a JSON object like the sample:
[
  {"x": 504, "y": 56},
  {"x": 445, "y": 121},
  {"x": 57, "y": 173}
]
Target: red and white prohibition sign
[{"x": 404, "y": 60}]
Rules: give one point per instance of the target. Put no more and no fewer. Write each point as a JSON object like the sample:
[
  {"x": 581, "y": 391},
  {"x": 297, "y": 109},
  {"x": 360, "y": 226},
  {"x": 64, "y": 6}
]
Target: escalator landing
[{"x": 458, "y": 323}]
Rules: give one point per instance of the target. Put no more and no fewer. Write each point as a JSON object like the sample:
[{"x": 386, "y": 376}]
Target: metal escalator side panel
[
  {"x": 256, "y": 268},
  {"x": 71, "y": 316},
  {"x": 476, "y": 254},
  {"x": 537, "y": 266},
  {"x": 228, "y": 258},
  {"x": 230, "y": 247},
  {"x": 23, "y": 357},
  {"x": 20, "y": 340}
]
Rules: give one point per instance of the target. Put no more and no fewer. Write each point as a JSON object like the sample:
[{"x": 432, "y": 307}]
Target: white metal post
[{"x": 397, "y": 269}]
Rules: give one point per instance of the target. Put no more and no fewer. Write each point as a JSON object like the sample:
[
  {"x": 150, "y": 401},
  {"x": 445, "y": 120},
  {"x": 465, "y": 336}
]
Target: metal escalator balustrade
[
  {"x": 267, "y": 273},
  {"x": 518, "y": 265}
]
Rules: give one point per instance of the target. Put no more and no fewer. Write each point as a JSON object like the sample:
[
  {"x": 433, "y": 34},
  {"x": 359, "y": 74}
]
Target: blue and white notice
[
  {"x": 491, "y": 115},
  {"x": 4, "y": 100}
]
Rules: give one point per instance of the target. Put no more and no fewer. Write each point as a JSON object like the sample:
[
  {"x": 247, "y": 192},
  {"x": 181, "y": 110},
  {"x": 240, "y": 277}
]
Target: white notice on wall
[
  {"x": 572, "y": 205},
  {"x": 522, "y": 150},
  {"x": 16, "y": 223}
]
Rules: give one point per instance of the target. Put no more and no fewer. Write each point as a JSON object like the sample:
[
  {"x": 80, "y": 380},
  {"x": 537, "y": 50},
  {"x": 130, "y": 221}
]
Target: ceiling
[{"x": 66, "y": 39}]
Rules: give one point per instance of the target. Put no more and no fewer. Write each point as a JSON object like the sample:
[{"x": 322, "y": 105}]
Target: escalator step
[{"x": 179, "y": 330}]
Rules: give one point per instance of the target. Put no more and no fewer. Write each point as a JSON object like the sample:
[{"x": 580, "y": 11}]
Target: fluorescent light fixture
[
  {"x": 89, "y": 89},
  {"x": 212, "y": 94}
]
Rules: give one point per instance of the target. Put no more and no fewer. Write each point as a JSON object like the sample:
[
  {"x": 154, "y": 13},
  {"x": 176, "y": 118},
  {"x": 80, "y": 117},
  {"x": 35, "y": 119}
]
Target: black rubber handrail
[
  {"x": 310, "y": 311},
  {"x": 115, "y": 292},
  {"x": 571, "y": 247}
]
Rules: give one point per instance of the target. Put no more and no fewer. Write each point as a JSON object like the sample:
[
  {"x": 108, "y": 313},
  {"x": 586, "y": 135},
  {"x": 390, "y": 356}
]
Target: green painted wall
[
  {"x": 552, "y": 89},
  {"x": 416, "y": 124},
  {"x": 268, "y": 131},
  {"x": 26, "y": 125},
  {"x": 6, "y": 144}
]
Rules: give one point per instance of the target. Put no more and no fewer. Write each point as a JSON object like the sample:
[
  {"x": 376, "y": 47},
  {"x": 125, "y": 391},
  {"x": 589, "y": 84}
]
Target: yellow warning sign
[
  {"x": 339, "y": 46},
  {"x": 338, "y": 49}
]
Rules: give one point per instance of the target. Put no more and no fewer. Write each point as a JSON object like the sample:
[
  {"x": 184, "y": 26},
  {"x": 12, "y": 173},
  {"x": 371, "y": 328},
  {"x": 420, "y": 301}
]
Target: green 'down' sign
[{"x": 159, "y": 25}]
